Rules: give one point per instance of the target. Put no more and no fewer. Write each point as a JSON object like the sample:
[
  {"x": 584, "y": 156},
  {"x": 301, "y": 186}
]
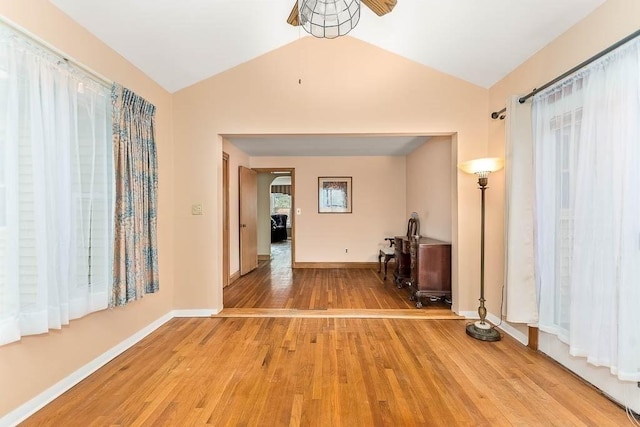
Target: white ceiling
[
  {"x": 327, "y": 145},
  {"x": 180, "y": 42}
]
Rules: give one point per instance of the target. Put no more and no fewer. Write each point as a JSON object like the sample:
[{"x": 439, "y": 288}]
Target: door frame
[
  {"x": 226, "y": 265},
  {"x": 292, "y": 172}
]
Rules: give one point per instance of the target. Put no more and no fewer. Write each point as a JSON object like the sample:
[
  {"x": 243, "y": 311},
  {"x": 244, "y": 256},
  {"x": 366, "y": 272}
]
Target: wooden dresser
[{"x": 424, "y": 266}]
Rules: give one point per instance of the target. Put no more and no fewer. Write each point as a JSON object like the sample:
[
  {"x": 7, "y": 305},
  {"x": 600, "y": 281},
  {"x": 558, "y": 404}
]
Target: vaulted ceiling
[{"x": 178, "y": 43}]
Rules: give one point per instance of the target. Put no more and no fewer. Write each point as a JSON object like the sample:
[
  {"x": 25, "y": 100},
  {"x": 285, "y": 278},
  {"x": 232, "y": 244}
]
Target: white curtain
[
  {"x": 520, "y": 284},
  {"x": 587, "y": 158},
  {"x": 56, "y": 191}
]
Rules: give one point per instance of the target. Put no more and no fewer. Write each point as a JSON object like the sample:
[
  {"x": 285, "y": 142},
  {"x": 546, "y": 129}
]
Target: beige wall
[
  {"x": 430, "y": 187},
  {"x": 347, "y": 87},
  {"x": 614, "y": 20},
  {"x": 378, "y": 185},
  {"x": 32, "y": 365},
  {"x": 365, "y": 89}
]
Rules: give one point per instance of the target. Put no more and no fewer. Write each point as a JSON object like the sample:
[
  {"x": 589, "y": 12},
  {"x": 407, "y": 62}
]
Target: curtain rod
[
  {"x": 25, "y": 33},
  {"x": 498, "y": 114}
]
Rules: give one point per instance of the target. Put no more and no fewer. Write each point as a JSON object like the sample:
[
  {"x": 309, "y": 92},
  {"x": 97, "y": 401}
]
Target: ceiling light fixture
[{"x": 328, "y": 18}]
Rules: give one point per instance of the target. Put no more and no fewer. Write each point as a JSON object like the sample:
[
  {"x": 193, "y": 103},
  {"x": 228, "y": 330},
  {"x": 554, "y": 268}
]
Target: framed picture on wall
[{"x": 334, "y": 194}]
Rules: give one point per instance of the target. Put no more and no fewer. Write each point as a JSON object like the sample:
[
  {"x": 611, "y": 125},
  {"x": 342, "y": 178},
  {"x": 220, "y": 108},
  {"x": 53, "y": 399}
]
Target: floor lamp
[{"x": 482, "y": 330}]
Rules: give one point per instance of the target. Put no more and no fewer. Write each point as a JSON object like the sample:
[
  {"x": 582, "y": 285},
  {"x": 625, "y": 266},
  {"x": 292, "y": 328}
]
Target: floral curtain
[{"x": 135, "y": 263}]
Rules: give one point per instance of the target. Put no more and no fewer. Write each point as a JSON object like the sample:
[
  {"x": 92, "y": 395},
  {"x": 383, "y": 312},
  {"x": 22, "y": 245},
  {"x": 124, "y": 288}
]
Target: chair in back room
[
  {"x": 278, "y": 227},
  {"x": 398, "y": 252}
]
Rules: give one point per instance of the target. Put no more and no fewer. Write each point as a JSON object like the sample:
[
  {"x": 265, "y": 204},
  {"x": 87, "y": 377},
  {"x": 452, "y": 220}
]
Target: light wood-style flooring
[
  {"x": 314, "y": 370},
  {"x": 274, "y": 285},
  {"x": 328, "y": 372}
]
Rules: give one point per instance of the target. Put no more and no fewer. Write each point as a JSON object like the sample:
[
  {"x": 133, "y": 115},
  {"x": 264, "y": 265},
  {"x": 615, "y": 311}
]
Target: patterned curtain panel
[{"x": 135, "y": 263}]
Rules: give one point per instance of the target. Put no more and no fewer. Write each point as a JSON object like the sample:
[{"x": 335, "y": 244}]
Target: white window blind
[{"x": 56, "y": 190}]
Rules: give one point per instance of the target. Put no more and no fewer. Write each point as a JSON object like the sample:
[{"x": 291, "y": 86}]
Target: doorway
[
  {"x": 276, "y": 224},
  {"x": 225, "y": 220}
]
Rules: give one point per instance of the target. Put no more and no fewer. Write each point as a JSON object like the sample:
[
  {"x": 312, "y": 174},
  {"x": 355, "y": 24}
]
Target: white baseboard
[
  {"x": 505, "y": 327},
  {"x": 204, "y": 312},
  {"x": 29, "y": 408},
  {"x": 626, "y": 393},
  {"x": 468, "y": 314},
  {"x": 508, "y": 329}
]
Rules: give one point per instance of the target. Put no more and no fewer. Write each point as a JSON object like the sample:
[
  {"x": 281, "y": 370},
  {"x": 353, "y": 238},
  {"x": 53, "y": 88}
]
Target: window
[
  {"x": 56, "y": 190},
  {"x": 4, "y": 290},
  {"x": 3, "y": 187},
  {"x": 586, "y": 133},
  {"x": 281, "y": 197},
  {"x": 566, "y": 130},
  {"x": 281, "y": 204}
]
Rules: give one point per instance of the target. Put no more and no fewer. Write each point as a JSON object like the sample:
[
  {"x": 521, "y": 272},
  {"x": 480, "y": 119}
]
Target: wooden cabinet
[
  {"x": 430, "y": 269},
  {"x": 426, "y": 268}
]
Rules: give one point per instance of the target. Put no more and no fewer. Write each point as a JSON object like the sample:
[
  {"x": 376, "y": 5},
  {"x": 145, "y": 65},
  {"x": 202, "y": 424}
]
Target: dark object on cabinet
[
  {"x": 402, "y": 272},
  {"x": 429, "y": 269},
  {"x": 278, "y": 227}
]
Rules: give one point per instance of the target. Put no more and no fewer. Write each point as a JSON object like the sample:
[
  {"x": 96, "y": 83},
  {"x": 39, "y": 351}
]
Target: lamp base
[{"x": 483, "y": 332}]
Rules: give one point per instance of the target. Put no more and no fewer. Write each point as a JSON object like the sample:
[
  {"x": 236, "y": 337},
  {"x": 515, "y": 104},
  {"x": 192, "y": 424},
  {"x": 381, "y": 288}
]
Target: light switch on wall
[
  {"x": 196, "y": 209},
  {"x": 298, "y": 211}
]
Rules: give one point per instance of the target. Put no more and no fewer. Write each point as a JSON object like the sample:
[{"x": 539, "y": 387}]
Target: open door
[{"x": 248, "y": 220}]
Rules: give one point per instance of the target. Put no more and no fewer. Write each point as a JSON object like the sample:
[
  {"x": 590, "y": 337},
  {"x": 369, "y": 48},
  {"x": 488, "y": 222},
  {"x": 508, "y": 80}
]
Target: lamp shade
[
  {"x": 482, "y": 166},
  {"x": 328, "y": 18}
]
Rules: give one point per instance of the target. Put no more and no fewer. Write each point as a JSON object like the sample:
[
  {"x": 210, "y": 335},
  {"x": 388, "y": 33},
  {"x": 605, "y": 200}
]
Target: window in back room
[{"x": 281, "y": 198}]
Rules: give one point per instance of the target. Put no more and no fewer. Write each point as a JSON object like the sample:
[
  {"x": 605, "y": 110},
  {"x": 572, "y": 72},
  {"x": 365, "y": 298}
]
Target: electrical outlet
[{"x": 196, "y": 209}]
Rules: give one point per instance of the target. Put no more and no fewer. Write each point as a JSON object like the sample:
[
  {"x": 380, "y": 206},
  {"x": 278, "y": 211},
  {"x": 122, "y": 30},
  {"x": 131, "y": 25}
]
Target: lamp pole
[
  {"x": 482, "y": 330},
  {"x": 482, "y": 311},
  {"x": 481, "y": 168}
]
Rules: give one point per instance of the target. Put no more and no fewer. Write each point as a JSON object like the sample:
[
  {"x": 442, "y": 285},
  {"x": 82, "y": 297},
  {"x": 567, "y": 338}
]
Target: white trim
[
  {"x": 27, "y": 409},
  {"x": 505, "y": 327},
  {"x": 508, "y": 329},
  {"x": 469, "y": 314},
  {"x": 626, "y": 393},
  {"x": 202, "y": 312}
]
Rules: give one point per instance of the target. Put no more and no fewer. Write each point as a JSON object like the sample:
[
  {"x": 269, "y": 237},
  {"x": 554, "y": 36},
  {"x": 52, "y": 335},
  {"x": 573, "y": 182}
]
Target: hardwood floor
[
  {"x": 327, "y": 348},
  {"x": 328, "y": 372},
  {"x": 275, "y": 285}
]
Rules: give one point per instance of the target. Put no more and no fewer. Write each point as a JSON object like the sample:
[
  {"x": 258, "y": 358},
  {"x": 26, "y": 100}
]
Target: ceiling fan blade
[
  {"x": 380, "y": 7},
  {"x": 293, "y": 16}
]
